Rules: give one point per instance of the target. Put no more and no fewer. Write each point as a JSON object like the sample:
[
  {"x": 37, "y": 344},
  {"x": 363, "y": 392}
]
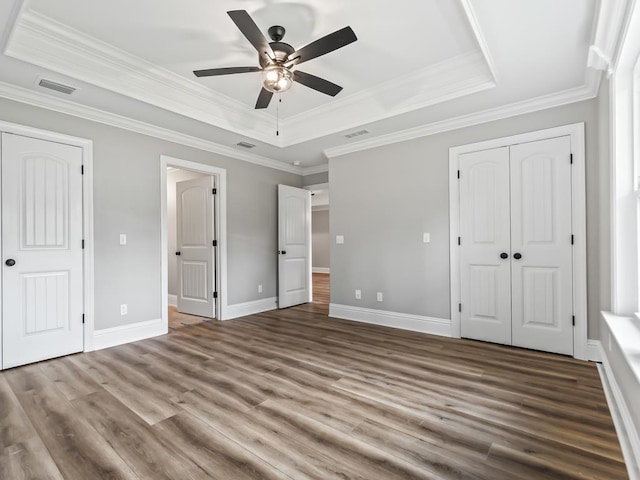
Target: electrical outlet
[
  {"x": 358, "y": 294},
  {"x": 123, "y": 309},
  {"x": 339, "y": 239},
  {"x": 123, "y": 239},
  {"x": 379, "y": 296},
  {"x": 259, "y": 288},
  {"x": 426, "y": 237}
]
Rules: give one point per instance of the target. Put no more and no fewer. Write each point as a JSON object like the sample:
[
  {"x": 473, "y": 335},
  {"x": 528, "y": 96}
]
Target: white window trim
[{"x": 624, "y": 169}]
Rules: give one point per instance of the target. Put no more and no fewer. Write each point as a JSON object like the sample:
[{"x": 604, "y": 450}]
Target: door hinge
[
  {"x": 571, "y": 158},
  {"x": 460, "y": 307},
  {"x": 83, "y": 243},
  {"x": 459, "y": 241},
  {"x": 83, "y": 318},
  {"x": 572, "y": 239},
  {"x": 573, "y": 320},
  {"x": 458, "y": 174},
  {"x": 215, "y": 294},
  {"x": 214, "y": 191},
  {"x": 215, "y": 243},
  {"x": 81, "y": 169}
]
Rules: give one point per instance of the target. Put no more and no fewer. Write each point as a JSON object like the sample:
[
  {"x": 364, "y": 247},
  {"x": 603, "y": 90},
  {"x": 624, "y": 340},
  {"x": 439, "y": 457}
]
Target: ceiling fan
[{"x": 278, "y": 60}]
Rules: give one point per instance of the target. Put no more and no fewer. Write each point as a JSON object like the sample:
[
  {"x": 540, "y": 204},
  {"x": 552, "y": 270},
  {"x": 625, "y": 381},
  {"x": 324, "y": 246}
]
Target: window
[{"x": 625, "y": 174}]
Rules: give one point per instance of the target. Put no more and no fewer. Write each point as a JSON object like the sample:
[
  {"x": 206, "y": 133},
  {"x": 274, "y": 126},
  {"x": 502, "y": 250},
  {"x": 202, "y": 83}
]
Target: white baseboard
[
  {"x": 625, "y": 427},
  {"x": 172, "y": 300},
  {"x": 320, "y": 270},
  {"x": 404, "y": 321},
  {"x": 110, "y": 337},
  {"x": 593, "y": 350},
  {"x": 250, "y": 308}
]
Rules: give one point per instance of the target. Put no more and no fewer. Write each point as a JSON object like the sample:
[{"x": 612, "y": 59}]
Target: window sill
[{"x": 626, "y": 332}]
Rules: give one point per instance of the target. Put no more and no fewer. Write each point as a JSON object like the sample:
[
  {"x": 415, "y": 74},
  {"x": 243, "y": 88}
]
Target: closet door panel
[
  {"x": 484, "y": 228},
  {"x": 542, "y": 276}
]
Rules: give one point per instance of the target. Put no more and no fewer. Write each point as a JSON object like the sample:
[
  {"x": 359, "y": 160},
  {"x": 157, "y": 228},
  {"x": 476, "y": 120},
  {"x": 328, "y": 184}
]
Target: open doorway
[
  {"x": 320, "y": 242},
  {"x": 193, "y": 234},
  {"x": 190, "y": 252}
]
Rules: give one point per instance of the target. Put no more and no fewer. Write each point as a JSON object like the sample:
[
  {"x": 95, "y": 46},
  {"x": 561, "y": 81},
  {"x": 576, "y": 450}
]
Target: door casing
[
  {"x": 220, "y": 227},
  {"x": 87, "y": 219},
  {"x": 579, "y": 227}
]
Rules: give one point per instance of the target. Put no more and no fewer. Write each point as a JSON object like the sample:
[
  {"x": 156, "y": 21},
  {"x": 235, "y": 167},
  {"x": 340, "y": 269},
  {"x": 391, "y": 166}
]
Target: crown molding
[
  {"x": 45, "y": 42},
  {"x": 603, "y": 53},
  {"x": 37, "y": 99},
  {"x": 511, "y": 110},
  {"x": 315, "y": 169},
  {"x": 452, "y": 78}
]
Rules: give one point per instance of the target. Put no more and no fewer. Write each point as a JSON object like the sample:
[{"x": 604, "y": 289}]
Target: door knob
[
  {"x": 178, "y": 253},
  {"x": 10, "y": 262},
  {"x": 282, "y": 252},
  {"x": 517, "y": 256},
  {"x": 504, "y": 255}
]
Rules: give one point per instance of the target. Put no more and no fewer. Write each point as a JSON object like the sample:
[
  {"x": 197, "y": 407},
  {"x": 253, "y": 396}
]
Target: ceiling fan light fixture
[{"x": 277, "y": 78}]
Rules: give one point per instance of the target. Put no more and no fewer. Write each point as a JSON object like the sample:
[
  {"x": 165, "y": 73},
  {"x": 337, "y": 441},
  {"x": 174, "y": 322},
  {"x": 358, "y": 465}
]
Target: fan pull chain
[{"x": 278, "y": 116}]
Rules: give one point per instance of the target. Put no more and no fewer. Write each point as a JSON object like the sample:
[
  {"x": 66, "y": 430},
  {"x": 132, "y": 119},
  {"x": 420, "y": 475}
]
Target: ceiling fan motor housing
[{"x": 280, "y": 49}]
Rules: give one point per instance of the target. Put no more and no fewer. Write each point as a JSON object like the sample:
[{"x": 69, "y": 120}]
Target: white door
[
  {"x": 42, "y": 288},
  {"x": 484, "y": 246},
  {"x": 196, "y": 268},
  {"x": 294, "y": 246},
  {"x": 541, "y": 267},
  {"x": 516, "y": 277}
]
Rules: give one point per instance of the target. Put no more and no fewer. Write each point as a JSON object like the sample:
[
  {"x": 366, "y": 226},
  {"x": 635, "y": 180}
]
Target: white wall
[
  {"x": 127, "y": 200},
  {"x": 173, "y": 177},
  {"x": 383, "y": 249}
]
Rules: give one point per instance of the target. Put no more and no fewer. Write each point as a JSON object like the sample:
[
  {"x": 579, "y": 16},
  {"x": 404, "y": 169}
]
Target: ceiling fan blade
[
  {"x": 317, "y": 83},
  {"x": 264, "y": 98},
  {"x": 224, "y": 71},
  {"x": 250, "y": 30},
  {"x": 322, "y": 46}
]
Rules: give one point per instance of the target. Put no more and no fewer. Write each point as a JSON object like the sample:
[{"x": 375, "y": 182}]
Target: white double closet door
[{"x": 516, "y": 245}]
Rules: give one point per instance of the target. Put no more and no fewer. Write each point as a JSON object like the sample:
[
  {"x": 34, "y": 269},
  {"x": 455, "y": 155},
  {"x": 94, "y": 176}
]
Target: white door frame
[
  {"x": 220, "y": 227},
  {"x": 87, "y": 220},
  {"x": 579, "y": 223}
]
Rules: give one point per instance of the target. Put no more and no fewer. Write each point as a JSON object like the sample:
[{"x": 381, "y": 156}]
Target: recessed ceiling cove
[{"x": 409, "y": 55}]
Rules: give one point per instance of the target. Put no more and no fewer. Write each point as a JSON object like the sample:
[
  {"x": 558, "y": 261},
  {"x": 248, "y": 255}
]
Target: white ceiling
[{"x": 416, "y": 63}]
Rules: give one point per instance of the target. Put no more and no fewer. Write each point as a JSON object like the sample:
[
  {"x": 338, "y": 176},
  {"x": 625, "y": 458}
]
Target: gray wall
[
  {"x": 320, "y": 238},
  {"x": 127, "y": 200},
  {"x": 383, "y": 249},
  {"x": 315, "y": 179},
  {"x": 173, "y": 177}
]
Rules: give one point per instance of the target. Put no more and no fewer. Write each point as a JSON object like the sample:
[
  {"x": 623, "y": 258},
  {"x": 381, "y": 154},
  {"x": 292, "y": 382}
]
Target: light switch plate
[
  {"x": 339, "y": 239},
  {"x": 379, "y": 296},
  {"x": 426, "y": 237},
  {"x": 358, "y": 294},
  {"x": 123, "y": 239}
]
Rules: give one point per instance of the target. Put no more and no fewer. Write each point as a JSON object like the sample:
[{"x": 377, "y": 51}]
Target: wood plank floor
[
  {"x": 321, "y": 288},
  {"x": 294, "y": 395}
]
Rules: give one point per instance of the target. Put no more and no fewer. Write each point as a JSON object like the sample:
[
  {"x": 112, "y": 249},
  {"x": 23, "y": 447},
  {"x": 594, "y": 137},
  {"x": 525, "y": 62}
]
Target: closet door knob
[
  {"x": 504, "y": 255},
  {"x": 517, "y": 256},
  {"x": 10, "y": 262}
]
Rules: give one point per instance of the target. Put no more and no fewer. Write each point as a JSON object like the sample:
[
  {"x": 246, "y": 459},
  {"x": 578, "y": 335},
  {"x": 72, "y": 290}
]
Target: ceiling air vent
[
  {"x": 245, "y": 145},
  {"x": 58, "y": 87},
  {"x": 356, "y": 134}
]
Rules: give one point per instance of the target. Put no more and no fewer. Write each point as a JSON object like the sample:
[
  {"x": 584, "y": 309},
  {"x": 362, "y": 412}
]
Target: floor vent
[
  {"x": 58, "y": 87},
  {"x": 245, "y": 145},
  {"x": 356, "y": 134}
]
